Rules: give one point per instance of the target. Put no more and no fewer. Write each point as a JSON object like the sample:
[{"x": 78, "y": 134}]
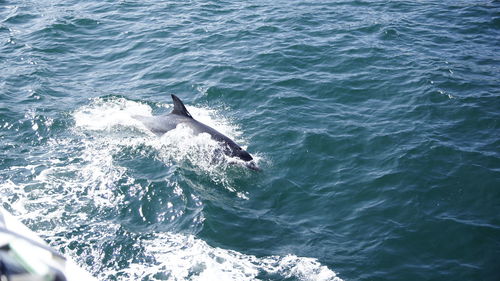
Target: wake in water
[
  {"x": 90, "y": 196},
  {"x": 188, "y": 258}
]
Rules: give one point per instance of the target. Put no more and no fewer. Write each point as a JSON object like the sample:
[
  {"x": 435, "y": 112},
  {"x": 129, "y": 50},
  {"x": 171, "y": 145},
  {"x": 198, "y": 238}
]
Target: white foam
[
  {"x": 104, "y": 115},
  {"x": 184, "y": 257}
]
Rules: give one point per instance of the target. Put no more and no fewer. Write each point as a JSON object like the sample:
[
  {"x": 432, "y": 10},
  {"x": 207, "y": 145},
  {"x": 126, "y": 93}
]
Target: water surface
[{"x": 376, "y": 124}]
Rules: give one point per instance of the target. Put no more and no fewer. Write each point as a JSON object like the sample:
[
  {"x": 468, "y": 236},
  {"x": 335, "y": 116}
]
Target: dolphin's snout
[{"x": 243, "y": 155}]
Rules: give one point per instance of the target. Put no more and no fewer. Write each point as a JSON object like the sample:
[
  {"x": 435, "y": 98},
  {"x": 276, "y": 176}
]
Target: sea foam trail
[
  {"x": 77, "y": 176},
  {"x": 183, "y": 257}
]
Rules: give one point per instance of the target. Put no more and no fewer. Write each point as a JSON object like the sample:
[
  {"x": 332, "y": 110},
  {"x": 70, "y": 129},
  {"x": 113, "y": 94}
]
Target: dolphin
[{"x": 161, "y": 124}]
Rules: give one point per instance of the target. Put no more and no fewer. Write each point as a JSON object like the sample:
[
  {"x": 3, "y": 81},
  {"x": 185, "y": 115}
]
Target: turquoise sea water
[{"x": 376, "y": 124}]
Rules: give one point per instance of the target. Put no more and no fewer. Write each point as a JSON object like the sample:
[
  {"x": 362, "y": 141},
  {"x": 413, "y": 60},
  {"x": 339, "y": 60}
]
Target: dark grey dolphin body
[{"x": 164, "y": 123}]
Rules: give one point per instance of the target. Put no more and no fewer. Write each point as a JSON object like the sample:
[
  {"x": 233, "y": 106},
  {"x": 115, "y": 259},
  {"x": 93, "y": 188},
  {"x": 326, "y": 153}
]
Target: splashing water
[{"x": 81, "y": 191}]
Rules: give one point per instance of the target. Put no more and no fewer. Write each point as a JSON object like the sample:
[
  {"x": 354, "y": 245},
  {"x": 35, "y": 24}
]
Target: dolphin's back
[
  {"x": 199, "y": 128},
  {"x": 159, "y": 125}
]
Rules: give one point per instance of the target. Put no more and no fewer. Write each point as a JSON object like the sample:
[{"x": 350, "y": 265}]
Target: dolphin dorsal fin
[{"x": 179, "y": 107}]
